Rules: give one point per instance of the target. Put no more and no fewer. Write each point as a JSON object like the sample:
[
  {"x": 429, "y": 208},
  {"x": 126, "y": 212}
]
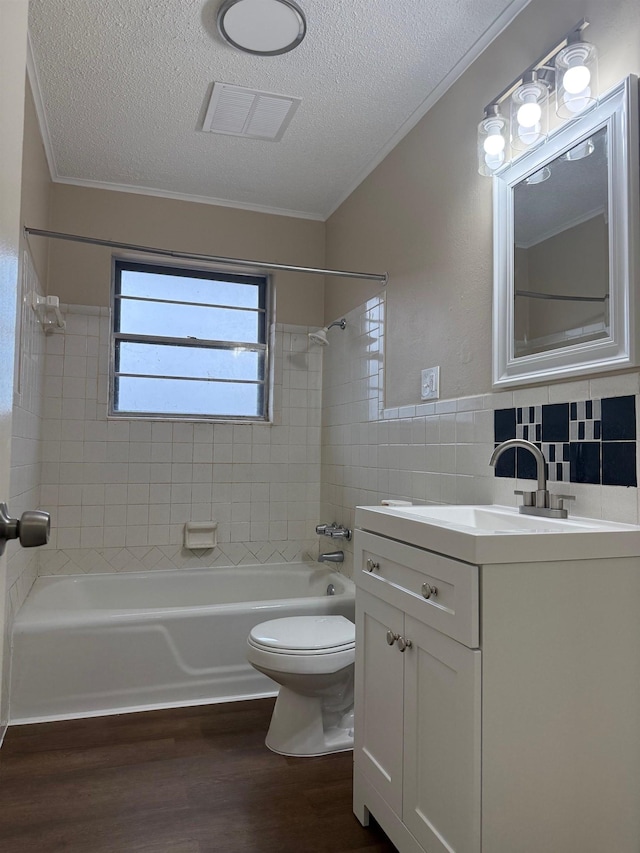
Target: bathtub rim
[{"x": 49, "y": 618}]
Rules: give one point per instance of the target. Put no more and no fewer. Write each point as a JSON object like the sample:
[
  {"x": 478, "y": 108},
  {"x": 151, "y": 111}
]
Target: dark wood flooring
[{"x": 189, "y": 780}]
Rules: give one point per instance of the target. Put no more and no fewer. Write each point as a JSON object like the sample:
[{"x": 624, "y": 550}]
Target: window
[{"x": 188, "y": 343}]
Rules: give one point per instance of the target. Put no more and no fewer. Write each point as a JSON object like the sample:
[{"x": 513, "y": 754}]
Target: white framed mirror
[{"x": 566, "y": 244}]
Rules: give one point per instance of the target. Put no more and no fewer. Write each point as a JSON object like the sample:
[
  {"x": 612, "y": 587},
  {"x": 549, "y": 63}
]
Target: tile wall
[
  {"x": 120, "y": 491},
  {"x": 439, "y": 452},
  {"x": 24, "y": 489},
  {"x": 586, "y": 441}
]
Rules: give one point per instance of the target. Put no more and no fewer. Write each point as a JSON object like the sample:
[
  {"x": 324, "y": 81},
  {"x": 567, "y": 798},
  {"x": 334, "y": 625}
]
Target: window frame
[{"x": 204, "y": 271}]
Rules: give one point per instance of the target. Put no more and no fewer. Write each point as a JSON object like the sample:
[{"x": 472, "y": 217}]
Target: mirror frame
[{"x": 618, "y": 111}]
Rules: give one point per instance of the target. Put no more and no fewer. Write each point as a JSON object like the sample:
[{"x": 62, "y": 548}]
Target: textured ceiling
[{"x": 123, "y": 85}]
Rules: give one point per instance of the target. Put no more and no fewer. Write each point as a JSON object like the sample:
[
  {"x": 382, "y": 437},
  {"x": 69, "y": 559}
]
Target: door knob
[{"x": 32, "y": 528}]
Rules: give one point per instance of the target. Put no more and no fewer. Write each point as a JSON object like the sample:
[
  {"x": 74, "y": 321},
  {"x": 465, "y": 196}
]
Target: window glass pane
[
  {"x": 167, "y": 360},
  {"x": 183, "y": 288},
  {"x": 184, "y": 397},
  {"x": 189, "y": 321}
]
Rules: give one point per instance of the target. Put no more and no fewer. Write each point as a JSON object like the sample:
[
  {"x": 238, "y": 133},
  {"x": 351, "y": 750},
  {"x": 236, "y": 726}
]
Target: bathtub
[{"x": 103, "y": 644}]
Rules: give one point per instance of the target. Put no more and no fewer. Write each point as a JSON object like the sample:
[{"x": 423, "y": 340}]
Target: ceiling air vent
[{"x": 237, "y": 111}]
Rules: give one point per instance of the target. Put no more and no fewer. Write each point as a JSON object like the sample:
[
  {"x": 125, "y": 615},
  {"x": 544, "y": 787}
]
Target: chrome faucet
[
  {"x": 539, "y": 502},
  {"x": 332, "y": 557},
  {"x": 334, "y": 530}
]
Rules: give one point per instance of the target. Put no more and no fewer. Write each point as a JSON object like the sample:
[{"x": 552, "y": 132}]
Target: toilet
[{"x": 312, "y": 659}]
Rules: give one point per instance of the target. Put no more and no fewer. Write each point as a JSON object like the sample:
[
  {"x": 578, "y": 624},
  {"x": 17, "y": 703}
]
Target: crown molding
[
  {"x": 576, "y": 220},
  {"x": 197, "y": 199},
  {"x": 36, "y": 90},
  {"x": 490, "y": 34}
]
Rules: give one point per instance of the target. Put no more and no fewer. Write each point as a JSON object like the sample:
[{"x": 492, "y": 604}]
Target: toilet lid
[{"x": 305, "y": 633}]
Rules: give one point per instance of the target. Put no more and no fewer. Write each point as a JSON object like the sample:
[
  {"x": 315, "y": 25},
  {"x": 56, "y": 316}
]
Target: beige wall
[
  {"x": 36, "y": 186},
  {"x": 572, "y": 263},
  {"x": 80, "y": 274},
  {"x": 424, "y": 214}
]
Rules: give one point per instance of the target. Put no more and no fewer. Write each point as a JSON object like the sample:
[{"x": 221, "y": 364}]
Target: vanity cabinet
[
  {"x": 417, "y": 728},
  {"x": 511, "y": 720}
]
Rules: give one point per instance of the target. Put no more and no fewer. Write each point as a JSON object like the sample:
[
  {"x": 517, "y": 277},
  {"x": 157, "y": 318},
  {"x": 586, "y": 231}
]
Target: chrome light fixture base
[{"x": 262, "y": 27}]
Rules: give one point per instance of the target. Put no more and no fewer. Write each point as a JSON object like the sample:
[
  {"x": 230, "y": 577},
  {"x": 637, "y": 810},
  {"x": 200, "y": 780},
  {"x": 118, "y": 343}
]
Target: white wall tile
[{"x": 132, "y": 484}]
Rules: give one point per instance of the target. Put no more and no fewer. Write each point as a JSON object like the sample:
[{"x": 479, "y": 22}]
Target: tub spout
[{"x": 332, "y": 557}]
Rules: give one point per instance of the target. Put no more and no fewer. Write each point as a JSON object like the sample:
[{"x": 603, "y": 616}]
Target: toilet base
[{"x": 299, "y": 728}]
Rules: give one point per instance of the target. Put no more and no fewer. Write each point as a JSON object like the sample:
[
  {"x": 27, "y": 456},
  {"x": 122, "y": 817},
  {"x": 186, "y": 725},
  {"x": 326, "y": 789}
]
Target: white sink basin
[
  {"x": 496, "y": 519},
  {"x": 499, "y": 534}
]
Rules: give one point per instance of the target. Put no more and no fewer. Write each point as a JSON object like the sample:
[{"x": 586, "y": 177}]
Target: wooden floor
[{"x": 192, "y": 780}]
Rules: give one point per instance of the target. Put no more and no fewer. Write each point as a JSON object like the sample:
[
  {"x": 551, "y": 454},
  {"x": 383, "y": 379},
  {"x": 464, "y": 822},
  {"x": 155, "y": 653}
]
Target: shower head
[{"x": 320, "y": 337}]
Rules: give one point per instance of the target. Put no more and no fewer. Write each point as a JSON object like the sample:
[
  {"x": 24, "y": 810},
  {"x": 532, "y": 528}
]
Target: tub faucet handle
[{"x": 32, "y": 528}]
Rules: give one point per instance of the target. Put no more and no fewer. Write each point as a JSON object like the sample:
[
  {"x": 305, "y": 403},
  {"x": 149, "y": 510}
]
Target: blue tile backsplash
[{"x": 591, "y": 441}]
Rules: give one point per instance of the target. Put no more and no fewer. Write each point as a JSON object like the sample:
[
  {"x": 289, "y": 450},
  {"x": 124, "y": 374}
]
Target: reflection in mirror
[{"x": 561, "y": 250}]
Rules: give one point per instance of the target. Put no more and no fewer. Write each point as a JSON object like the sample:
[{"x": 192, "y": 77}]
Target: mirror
[{"x": 565, "y": 220}]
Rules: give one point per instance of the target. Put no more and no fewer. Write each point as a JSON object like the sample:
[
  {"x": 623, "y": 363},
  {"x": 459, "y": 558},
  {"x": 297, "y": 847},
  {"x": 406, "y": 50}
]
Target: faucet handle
[
  {"x": 556, "y": 501},
  {"x": 528, "y": 498}
]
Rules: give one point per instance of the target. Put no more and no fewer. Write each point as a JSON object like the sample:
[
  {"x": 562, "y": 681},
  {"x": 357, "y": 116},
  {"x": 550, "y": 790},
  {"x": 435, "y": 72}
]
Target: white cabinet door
[
  {"x": 379, "y": 702},
  {"x": 441, "y": 801}
]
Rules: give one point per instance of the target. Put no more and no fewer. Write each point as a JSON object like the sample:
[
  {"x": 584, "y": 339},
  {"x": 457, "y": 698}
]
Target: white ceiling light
[{"x": 262, "y": 27}]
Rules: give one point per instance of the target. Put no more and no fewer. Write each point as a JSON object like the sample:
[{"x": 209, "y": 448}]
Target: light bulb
[
  {"x": 494, "y": 161},
  {"x": 494, "y": 143},
  {"x": 529, "y": 114},
  {"x": 576, "y": 79},
  {"x": 529, "y": 135},
  {"x": 577, "y": 103}
]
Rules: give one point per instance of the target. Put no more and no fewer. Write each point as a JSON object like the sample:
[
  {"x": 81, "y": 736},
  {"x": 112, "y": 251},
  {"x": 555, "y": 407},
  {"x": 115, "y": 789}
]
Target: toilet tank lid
[{"x": 305, "y": 632}]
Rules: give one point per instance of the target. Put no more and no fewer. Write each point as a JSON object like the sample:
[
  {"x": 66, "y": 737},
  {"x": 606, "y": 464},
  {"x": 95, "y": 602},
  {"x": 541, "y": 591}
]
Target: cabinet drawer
[{"x": 403, "y": 575}]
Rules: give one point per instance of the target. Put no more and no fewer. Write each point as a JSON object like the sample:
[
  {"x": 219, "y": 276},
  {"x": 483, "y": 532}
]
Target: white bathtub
[{"x": 103, "y": 644}]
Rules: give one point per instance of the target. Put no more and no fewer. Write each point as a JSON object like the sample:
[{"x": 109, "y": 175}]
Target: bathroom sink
[
  {"x": 500, "y": 534},
  {"x": 496, "y": 519}
]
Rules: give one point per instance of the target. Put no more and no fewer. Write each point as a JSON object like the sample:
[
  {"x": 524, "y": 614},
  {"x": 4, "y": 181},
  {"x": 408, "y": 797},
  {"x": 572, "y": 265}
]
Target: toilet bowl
[{"x": 312, "y": 659}]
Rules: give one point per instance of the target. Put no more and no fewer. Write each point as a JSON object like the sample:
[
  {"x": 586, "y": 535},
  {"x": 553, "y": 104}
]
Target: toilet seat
[
  {"x": 304, "y": 635},
  {"x": 302, "y": 644}
]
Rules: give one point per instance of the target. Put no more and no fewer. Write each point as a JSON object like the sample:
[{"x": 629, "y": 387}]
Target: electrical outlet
[{"x": 430, "y": 383}]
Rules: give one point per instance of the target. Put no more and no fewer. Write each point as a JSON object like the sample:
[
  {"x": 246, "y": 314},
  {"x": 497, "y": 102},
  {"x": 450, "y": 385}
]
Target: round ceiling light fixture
[{"x": 262, "y": 27}]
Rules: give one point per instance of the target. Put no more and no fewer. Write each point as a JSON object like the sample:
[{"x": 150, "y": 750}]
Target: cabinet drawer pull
[
  {"x": 428, "y": 590},
  {"x": 391, "y": 637},
  {"x": 403, "y": 643},
  {"x": 371, "y": 565}
]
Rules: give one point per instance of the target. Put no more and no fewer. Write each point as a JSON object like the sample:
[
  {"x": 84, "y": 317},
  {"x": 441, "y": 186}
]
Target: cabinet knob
[
  {"x": 371, "y": 565},
  {"x": 428, "y": 590},
  {"x": 403, "y": 643},
  {"x": 391, "y": 637}
]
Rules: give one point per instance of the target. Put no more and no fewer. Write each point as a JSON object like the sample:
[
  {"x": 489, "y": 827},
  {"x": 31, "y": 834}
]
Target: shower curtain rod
[{"x": 237, "y": 262}]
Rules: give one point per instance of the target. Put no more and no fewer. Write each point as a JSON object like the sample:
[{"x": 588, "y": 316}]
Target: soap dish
[{"x": 200, "y": 535}]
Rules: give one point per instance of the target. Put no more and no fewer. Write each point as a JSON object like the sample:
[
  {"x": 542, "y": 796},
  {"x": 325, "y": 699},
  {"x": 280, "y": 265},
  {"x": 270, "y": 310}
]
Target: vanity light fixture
[
  {"x": 262, "y": 27},
  {"x": 529, "y": 111},
  {"x": 492, "y": 141},
  {"x": 576, "y": 68},
  {"x": 539, "y": 177},
  {"x": 570, "y": 69},
  {"x": 580, "y": 151}
]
